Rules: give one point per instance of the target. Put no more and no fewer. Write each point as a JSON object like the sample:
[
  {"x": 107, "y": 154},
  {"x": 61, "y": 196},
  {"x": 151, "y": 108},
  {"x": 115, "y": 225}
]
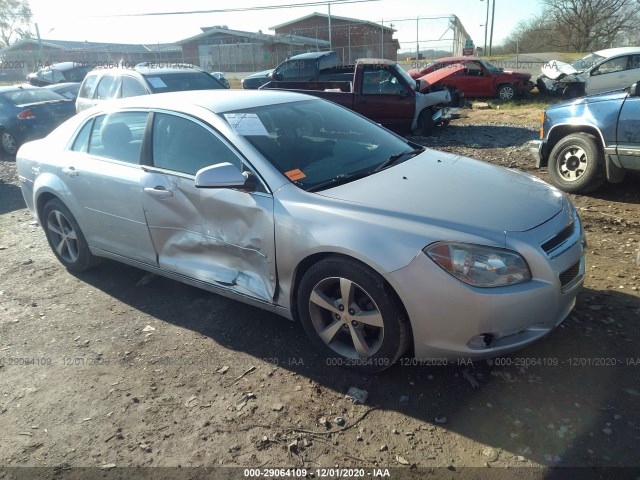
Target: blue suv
[{"x": 590, "y": 140}]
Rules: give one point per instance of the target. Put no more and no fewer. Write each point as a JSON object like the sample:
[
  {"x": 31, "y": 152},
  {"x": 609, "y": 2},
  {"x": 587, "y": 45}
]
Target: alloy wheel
[
  {"x": 63, "y": 237},
  {"x": 346, "y": 318}
]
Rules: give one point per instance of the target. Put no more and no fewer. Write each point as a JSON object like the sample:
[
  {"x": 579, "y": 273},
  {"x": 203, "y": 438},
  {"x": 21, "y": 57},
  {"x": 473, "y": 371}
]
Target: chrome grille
[
  {"x": 554, "y": 242},
  {"x": 570, "y": 274}
]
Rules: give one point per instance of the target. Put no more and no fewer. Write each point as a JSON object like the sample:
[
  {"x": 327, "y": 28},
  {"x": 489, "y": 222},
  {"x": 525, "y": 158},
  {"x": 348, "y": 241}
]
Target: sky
[{"x": 98, "y": 21}]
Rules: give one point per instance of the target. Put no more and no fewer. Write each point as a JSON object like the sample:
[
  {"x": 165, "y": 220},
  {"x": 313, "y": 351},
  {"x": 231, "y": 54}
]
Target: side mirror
[
  {"x": 223, "y": 175},
  {"x": 634, "y": 90},
  {"x": 277, "y": 76},
  {"x": 595, "y": 73}
]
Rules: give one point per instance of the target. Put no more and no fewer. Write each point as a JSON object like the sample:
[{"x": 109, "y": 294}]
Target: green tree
[{"x": 15, "y": 21}]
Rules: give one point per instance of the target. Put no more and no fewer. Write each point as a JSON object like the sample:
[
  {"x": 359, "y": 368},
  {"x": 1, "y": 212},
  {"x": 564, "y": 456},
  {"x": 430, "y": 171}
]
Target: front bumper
[
  {"x": 451, "y": 320},
  {"x": 537, "y": 150}
]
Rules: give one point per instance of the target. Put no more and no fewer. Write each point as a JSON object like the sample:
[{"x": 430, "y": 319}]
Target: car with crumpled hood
[
  {"x": 601, "y": 71},
  {"x": 480, "y": 78}
]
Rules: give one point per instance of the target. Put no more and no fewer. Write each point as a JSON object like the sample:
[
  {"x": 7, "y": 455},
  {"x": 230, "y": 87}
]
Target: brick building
[{"x": 350, "y": 37}]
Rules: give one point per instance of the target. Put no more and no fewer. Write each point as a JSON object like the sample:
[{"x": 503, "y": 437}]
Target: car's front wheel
[
  {"x": 65, "y": 237},
  {"x": 350, "y": 314},
  {"x": 506, "y": 92},
  {"x": 8, "y": 142},
  {"x": 576, "y": 164},
  {"x": 425, "y": 124}
]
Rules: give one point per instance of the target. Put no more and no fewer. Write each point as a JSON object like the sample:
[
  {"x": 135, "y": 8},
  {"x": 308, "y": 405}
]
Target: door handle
[
  {"x": 71, "y": 171},
  {"x": 158, "y": 191}
]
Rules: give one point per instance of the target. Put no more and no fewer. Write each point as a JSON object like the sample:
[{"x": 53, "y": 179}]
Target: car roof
[
  {"x": 22, "y": 86},
  {"x": 312, "y": 55},
  {"x": 216, "y": 101},
  {"x": 455, "y": 59},
  {"x": 64, "y": 65},
  {"x": 610, "y": 52}
]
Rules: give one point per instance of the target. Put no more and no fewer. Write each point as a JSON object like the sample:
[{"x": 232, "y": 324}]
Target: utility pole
[
  {"x": 417, "y": 41},
  {"x": 382, "y": 39},
  {"x": 39, "y": 47},
  {"x": 493, "y": 16},
  {"x": 330, "y": 43},
  {"x": 486, "y": 28}
]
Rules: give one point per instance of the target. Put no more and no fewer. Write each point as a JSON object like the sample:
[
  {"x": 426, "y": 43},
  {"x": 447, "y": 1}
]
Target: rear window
[
  {"x": 27, "y": 96},
  {"x": 180, "y": 81}
]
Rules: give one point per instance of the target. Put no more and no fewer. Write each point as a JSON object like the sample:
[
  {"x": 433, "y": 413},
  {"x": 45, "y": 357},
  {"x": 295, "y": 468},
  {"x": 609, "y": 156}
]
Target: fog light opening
[
  {"x": 488, "y": 339},
  {"x": 482, "y": 341}
]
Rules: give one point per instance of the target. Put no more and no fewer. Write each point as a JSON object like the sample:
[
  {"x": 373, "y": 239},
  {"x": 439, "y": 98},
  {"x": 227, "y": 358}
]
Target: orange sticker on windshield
[{"x": 294, "y": 175}]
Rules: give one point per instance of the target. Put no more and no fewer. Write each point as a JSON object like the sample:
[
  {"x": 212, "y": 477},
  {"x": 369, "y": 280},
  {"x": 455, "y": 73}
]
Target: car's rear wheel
[
  {"x": 425, "y": 124},
  {"x": 576, "y": 164},
  {"x": 506, "y": 92},
  {"x": 349, "y": 314},
  {"x": 8, "y": 142},
  {"x": 65, "y": 237}
]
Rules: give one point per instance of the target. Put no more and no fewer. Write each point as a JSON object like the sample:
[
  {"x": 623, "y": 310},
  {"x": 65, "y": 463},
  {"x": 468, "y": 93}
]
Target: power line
[{"x": 229, "y": 10}]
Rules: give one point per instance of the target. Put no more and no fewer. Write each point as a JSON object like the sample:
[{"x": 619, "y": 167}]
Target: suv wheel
[{"x": 576, "y": 164}]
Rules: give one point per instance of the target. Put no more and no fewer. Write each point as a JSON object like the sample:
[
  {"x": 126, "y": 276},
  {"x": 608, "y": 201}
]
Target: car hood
[
  {"x": 437, "y": 76},
  {"x": 516, "y": 73},
  {"x": 556, "y": 69},
  {"x": 442, "y": 187},
  {"x": 261, "y": 74},
  {"x": 613, "y": 96}
]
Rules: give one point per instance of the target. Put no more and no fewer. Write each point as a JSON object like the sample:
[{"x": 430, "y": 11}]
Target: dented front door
[{"x": 223, "y": 237}]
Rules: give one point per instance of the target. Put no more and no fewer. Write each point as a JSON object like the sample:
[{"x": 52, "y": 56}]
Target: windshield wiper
[
  {"x": 395, "y": 157},
  {"x": 338, "y": 180}
]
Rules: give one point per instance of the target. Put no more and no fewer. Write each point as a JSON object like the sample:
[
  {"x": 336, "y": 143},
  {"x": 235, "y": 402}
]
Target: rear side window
[
  {"x": 76, "y": 74},
  {"x": 108, "y": 88},
  {"x": 118, "y": 136},
  {"x": 184, "y": 146},
  {"x": 82, "y": 140},
  {"x": 131, "y": 87},
  {"x": 87, "y": 86}
]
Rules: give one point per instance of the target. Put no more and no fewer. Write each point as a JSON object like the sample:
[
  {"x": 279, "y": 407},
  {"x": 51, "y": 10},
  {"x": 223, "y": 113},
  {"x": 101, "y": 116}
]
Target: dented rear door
[{"x": 222, "y": 236}]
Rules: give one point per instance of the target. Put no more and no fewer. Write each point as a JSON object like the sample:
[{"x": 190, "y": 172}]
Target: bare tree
[
  {"x": 15, "y": 21},
  {"x": 592, "y": 24}
]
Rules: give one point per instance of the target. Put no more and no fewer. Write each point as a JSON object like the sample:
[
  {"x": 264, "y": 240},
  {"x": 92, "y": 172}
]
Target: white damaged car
[{"x": 601, "y": 71}]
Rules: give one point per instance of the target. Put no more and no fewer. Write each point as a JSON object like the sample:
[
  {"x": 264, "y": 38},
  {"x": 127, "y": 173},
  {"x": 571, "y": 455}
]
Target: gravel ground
[{"x": 116, "y": 368}]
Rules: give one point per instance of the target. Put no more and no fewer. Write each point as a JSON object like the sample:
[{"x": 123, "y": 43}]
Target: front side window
[
  {"x": 107, "y": 88},
  {"x": 184, "y": 146},
  {"x": 377, "y": 81},
  {"x": 131, "y": 87},
  {"x": 118, "y": 136},
  {"x": 614, "y": 65}
]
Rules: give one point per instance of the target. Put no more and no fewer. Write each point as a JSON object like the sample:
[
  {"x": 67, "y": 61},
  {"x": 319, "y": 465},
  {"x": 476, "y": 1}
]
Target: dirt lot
[{"x": 114, "y": 368}]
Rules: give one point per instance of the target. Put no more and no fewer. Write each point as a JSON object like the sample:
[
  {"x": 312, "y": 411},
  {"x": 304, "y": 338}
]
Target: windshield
[
  {"x": 587, "y": 62},
  {"x": 313, "y": 142},
  {"x": 490, "y": 67},
  {"x": 181, "y": 81},
  {"x": 28, "y": 96}
]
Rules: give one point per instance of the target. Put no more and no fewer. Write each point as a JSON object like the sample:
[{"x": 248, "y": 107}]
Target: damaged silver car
[
  {"x": 301, "y": 207},
  {"x": 601, "y": 71}
]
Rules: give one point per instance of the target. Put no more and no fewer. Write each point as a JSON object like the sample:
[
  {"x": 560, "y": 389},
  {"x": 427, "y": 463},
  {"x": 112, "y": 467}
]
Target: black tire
[
  {"x": 65, "y": 237},
  {"x": 8, "y": 142},
  {"x": 506, "y": 92},
  {"x": 380, "y": 345},
  {"x": 425, "y": 123},
  {"x": 573, "y": 91},
  {"x": 576, "y": 164}
]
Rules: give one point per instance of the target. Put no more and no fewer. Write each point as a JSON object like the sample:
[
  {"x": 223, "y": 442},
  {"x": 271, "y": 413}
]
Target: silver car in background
[{"x": 379, "y": 246}]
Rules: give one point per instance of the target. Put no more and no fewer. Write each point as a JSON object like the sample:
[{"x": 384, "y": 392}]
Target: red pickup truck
[{"x": 382, "y": 91}]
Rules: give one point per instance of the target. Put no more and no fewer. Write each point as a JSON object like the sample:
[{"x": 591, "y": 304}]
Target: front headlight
[{"x": 478, "y": 265}]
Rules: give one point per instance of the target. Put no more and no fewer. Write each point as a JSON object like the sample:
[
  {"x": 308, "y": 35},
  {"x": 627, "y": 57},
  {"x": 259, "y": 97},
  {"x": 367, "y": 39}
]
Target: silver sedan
[{"x": 379, "y": 246}]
